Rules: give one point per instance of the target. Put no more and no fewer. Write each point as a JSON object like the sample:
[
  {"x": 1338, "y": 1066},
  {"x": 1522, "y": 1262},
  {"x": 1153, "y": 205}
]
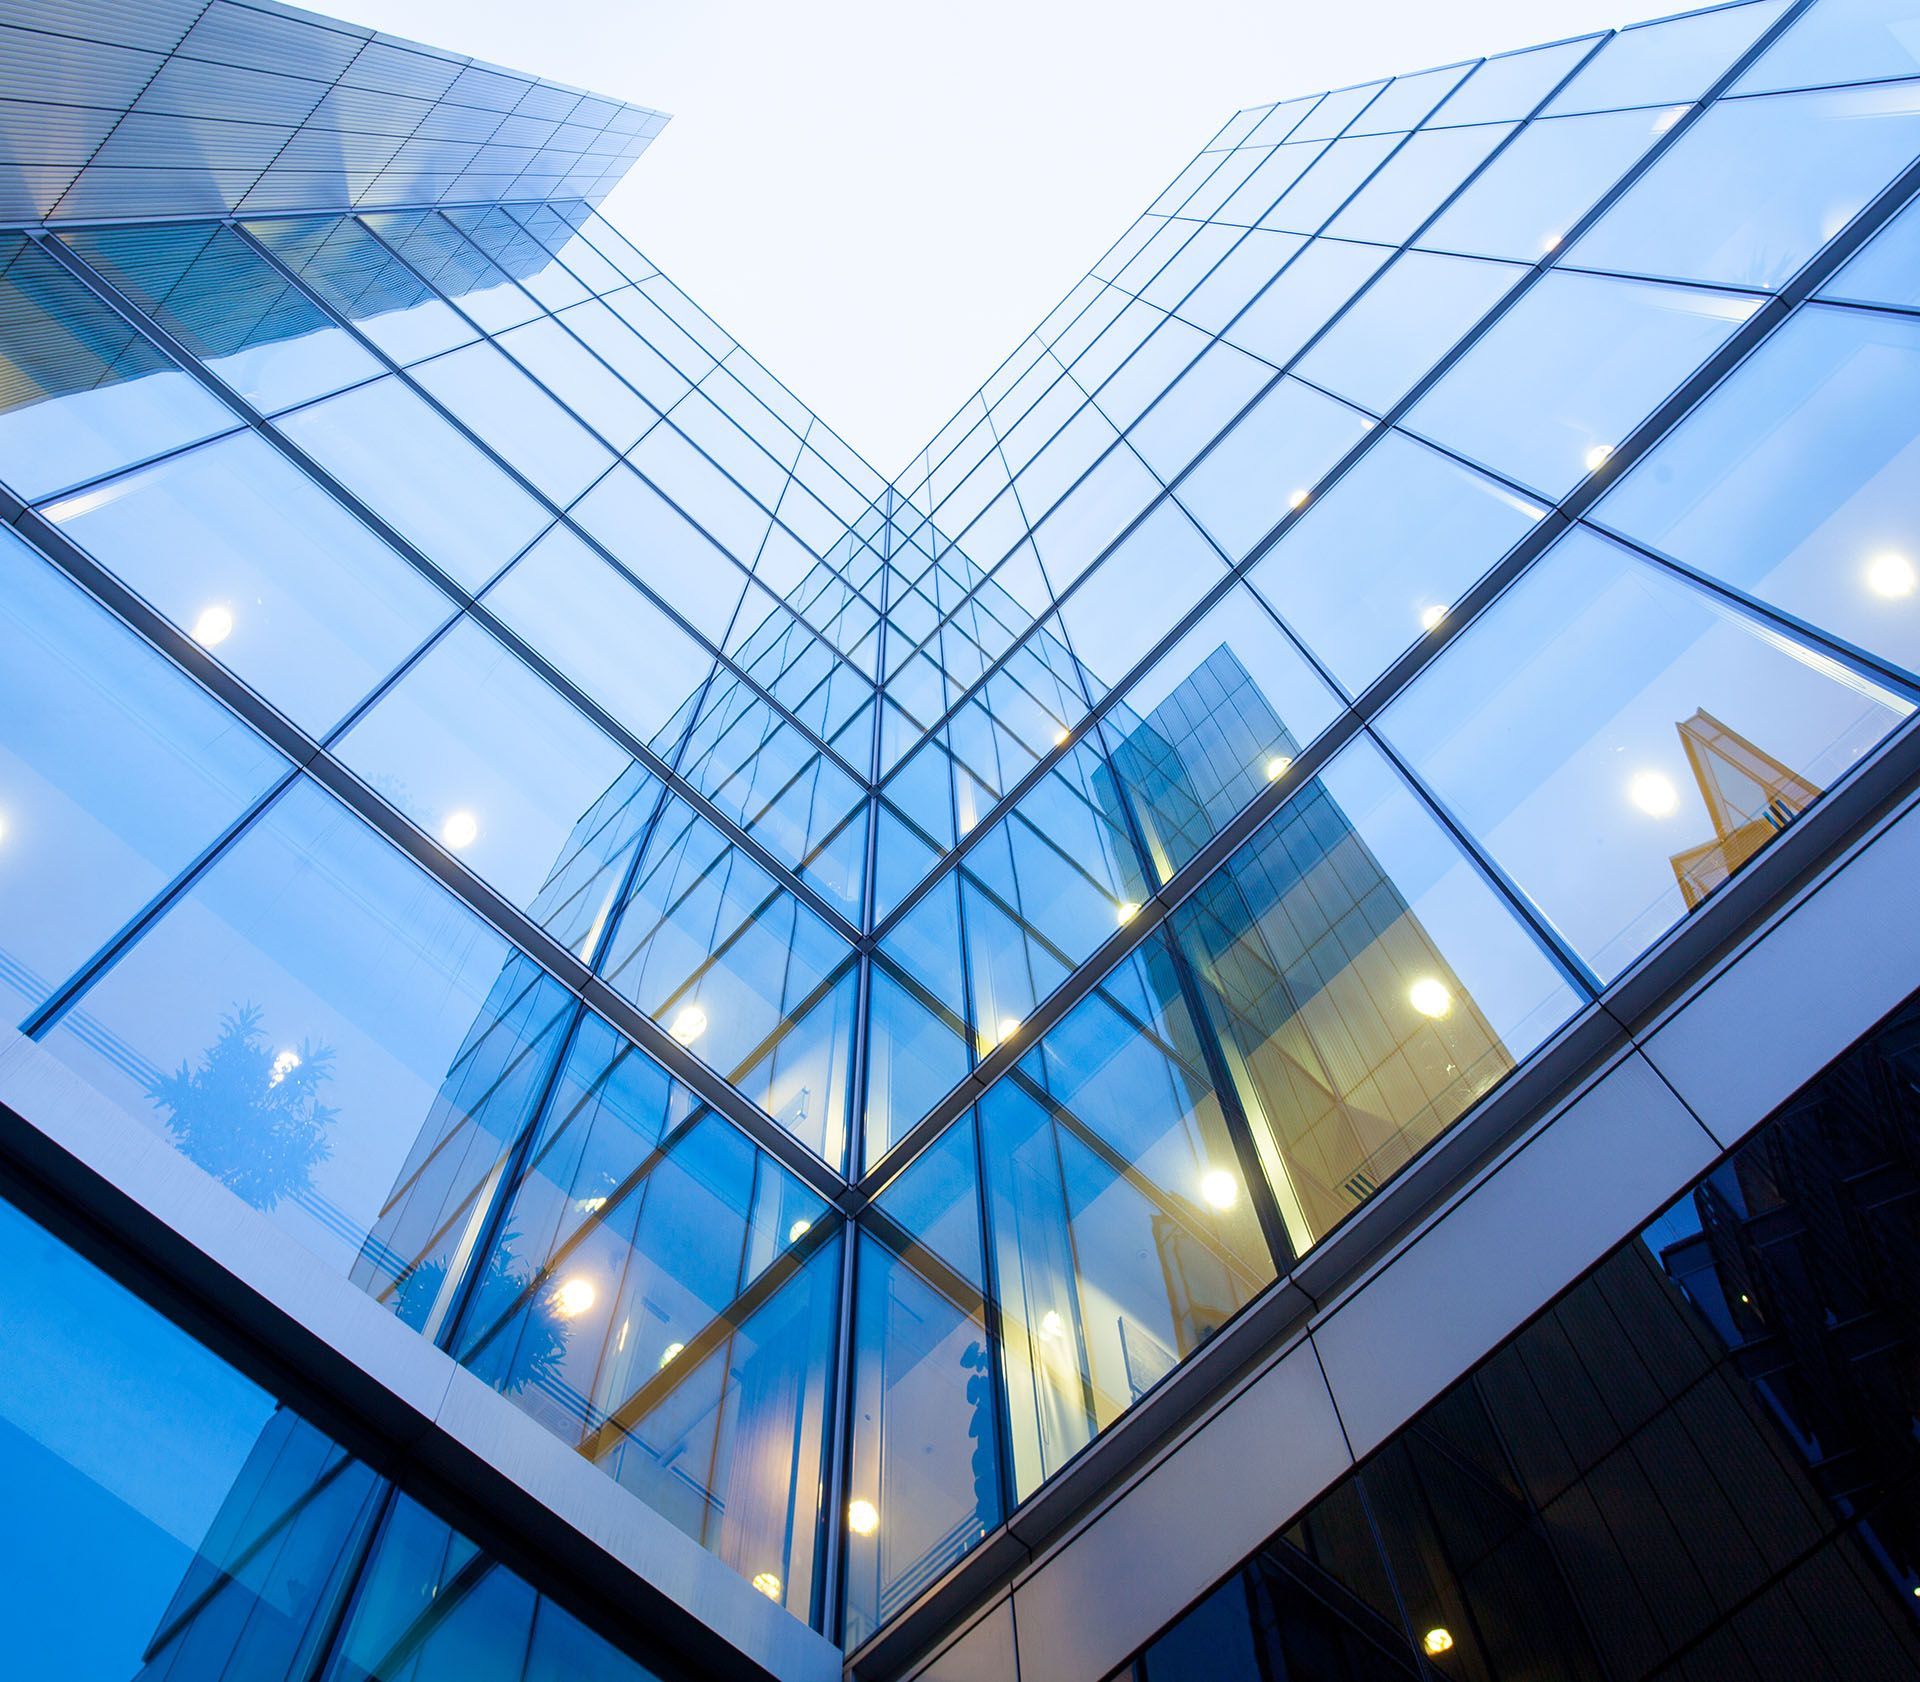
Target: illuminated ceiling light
[
  {"x": 575, "y": 1296},
  {"x": 1437, "y": 1640},
  {"x": 1430, "y": 617},
  {"x": 1430, "y": 997},
  {"x": 767, "y": 1583},
  {"x": 798, "y": 1230},
  {"x": 1598, "y": 457},
  {"x": 863, "y": 1517},
  {"x": 667, "y": 1354},
  {"x": 591, "y": 1205},
  {"x": 1219, "y": 1189},
  {"x": 1653, "y": 792},
  {"x": 1297, "y": 500},
  {"x": 1891, "y": 575},
  {"x": 284, "y": 1063},
  {"x": 1550, "y": 243},
  {"x": 1278, "y": 766},
  {"x": 1052, "y": 1326},
  {"x": 460, "y": 829},
  {"x": 214, "y": 625},
  {"x": 1060, "y": 736},
  {"x": 1009, "y": 1026},
  {"x": 689, "y": 1025},
  {"x": 1126, "y": 911}
]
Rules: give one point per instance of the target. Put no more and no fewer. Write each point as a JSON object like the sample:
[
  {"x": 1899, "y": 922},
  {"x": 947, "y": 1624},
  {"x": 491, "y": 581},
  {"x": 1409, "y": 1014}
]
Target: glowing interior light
[
  {"x": 1060, "y": 736},
  {"x": 214, "y": 625},
  {"x": 1598, "y": 457},
  {"x": 575, "y": 1296},
  {"x": 591, "y": 1205},
  {"x": 1437, "y": 1640},
  {"x": 1430, "y": 997},
  {"x": 798, "y": 1230},
  {"x": 1430, "y": 617},
  {"x": 1008, "y": 1027},
  {"x": 1219, "y": 1189},
  {"x": 689, "y": 1025},
  {"x": 767, "y": 1583},
  {"x": 460, "y": 829},
  {"x": 1891, "y": 575},
  {"x": 1278, "y": 766},
  {"x": 1051, "y": 1325},
  {"x": 863, "y": 1517},
  {"x": 1550, "y": 243},
  {"x": 1653, "y": 792},
  {"x": 1297, "y": 500},
  {"x": 1126, "y": 911},
  {"x": 284, "y": 1063},
  {"x": 667, "y": 1354}
]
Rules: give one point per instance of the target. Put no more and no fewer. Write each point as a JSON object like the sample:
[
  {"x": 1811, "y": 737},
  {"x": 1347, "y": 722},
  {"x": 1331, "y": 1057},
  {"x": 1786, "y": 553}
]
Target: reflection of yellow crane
[{"x": 1750, "y": 797}]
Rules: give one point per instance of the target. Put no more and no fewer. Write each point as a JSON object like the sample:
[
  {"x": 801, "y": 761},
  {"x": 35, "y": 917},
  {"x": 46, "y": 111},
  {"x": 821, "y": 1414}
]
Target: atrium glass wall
[{"x": 826, "y": 991}]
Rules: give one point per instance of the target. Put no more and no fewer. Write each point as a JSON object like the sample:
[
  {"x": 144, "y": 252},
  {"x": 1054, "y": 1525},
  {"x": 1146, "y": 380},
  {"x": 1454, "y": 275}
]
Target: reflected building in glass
[{"x": 1253, "y": 1020}]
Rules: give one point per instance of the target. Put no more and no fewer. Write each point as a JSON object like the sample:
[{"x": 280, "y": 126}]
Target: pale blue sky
[{"x": 880, "y": 197}]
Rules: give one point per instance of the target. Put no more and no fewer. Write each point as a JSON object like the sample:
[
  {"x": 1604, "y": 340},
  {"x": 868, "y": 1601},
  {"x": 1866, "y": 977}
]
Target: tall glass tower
[{"x": 1253, "y": 1023}]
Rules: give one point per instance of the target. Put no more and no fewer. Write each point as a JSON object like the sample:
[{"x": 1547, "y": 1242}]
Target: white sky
[{"x": 879, "y": 198}]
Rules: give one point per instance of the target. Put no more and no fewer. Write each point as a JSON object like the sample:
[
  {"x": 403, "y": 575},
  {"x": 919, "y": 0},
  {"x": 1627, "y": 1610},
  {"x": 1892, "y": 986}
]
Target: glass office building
[{"x": 1252, "y": 1023}]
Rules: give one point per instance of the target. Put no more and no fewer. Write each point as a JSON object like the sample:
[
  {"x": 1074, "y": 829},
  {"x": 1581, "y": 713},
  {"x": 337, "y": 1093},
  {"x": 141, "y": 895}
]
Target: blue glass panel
[
  {"x": 115, "y": 772},
  {"x": 1622, "y": 742},
  {"x": 247, "y": 555}
]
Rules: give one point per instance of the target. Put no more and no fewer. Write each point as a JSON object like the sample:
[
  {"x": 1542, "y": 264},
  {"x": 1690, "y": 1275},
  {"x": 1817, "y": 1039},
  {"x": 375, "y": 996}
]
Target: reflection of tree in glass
[
  {"x": 249, "y": 1115},
  {"x": 513, "y": 1357}
]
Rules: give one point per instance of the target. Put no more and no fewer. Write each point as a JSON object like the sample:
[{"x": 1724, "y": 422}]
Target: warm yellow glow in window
[
  {"x": 863, "y": 1517},
  {"x": 668, "y": 1354},
  {"x": 1437, "y": 1640},
  {"x": 1297, "y": 500},
  {"x": 798, "y": 1230},
  {"x": 1598, "y": 457},
  {"x": 575, "y": 1296},
  {"x": 1653, "y": 792},
  {"x": 1430, "y": 617},
  {"x": 459, "y": 829},
  {"x": 1060, "y": 736},
  {"x": 767, "y": 1583},
  {"x": 1891, "y": 575},
  {"x": 1219, "y": 1189},
  {"x": 1009, "y": 1026},
  {"x": 1430, "y": 997},
  {"x": 689, "y": 1025},
  {"x": 1126, "y": 911},
  {"x": 1278, "y": 766}
]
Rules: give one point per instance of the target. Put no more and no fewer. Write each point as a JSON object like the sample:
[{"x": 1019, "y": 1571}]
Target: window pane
[
  {"x": 1757, "y": 186},
  {"x": 1402, "y": 324},
  {"x": 1269, "y": 463},
  {"x": 486, "y": 758},
  {"x": 204, "y": 284},
  {"x": 81, "y": 393},
  {"x": 1163, "y": 560},
  {"x": 298, "y": 1017},
  {"x": 1411, "y": 184},
  {"x": 1123, "y": 1232},
  {"x": 660, "y": 546},
  {"x": 250, "y": 557},
  {"x": 589, "y": 621},
  {"x": 1210, "y": 723},
  {"x": 1366, "y": 983},
  {"x": 1660, "y": 63},
  {"x": 116, "y": 770},
  {"x": 580, "y": 380},
  {"x": 1373, "y": 566},
  {"x": 1302, "y": 297},
  {"x": 1840, "y": 41},
  {"x": 1532, "y": 401},
  {"x": 1621, "y": 742},
  {"x": 1887, "y": 271},
  {"x": 1794, "y": 480},
  {"x": 412, "y": 469}
]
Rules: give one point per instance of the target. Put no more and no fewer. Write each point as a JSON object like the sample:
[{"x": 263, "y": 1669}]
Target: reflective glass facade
[{"x": 823, "y": 991}]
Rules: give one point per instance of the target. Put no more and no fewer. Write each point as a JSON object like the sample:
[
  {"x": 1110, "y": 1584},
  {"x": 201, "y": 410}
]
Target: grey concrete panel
[
  {"x": 1529, "y": 1226},
  {"x": 1836, "y": 962},
  {"x": 985, "y": 1653},
  {"x": 1202, "y": 1508}
]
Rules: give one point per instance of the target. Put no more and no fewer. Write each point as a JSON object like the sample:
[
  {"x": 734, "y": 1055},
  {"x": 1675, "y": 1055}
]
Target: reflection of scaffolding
[{"x": 1750, "y": 797}]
